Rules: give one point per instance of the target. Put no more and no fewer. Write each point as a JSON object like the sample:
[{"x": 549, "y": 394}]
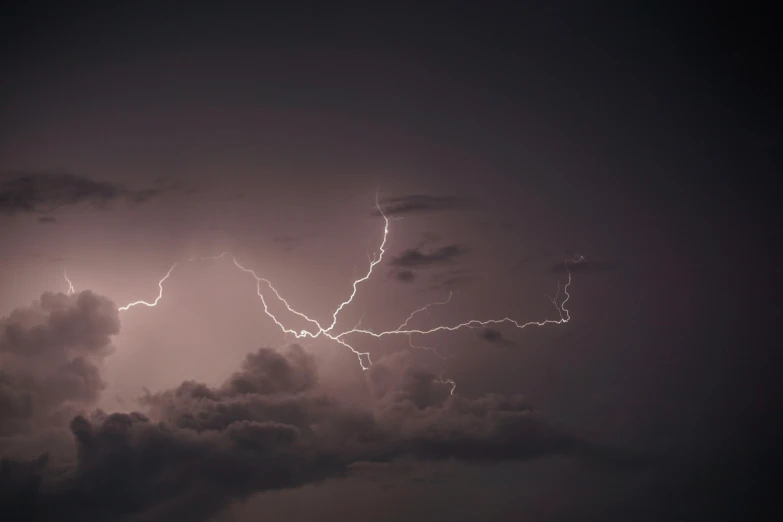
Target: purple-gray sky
[{"x": 505, "y": 139}]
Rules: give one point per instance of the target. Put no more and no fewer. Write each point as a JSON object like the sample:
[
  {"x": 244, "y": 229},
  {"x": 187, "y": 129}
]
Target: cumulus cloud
[
  {"x": 197, "y": 448},
  {"x": 48, "y": 191}
]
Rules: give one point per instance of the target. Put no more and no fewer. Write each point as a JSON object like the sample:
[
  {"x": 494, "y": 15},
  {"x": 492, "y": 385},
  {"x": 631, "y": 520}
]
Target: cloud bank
[{"x": 195, "y": 448}]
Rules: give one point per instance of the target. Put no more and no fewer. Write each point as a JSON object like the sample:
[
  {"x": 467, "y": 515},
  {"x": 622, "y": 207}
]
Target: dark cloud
[
  {"x": 269, "y": 426},
  {"x": 495, "y": 336},
  {"x": 404, "y": 276},
  {"x": 47, "y": 219},
  {"x": 451, "y": 280},
  {"x": 583, "y": 267},
  {"x": 419, "y": 203},
  {"x": 46, "y": 191},
  {"x": 416, "y": 258}
]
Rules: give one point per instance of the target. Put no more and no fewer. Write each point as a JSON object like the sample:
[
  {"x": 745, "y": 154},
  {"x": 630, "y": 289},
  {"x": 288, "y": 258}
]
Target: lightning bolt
[
  {"x": 155, "y": 302},
  {"x": 473, "y": 323},
  {"x": 450, "y": 382},
  {"x": 373, "y": 263},
  {"x": 315, "y": 329},
  {"x": 70, "y": 284}
]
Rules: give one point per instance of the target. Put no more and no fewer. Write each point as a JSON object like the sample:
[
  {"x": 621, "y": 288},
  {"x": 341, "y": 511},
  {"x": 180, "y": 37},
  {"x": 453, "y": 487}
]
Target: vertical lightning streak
[
  {"x": 374, "y": 262},
  {"x": 70, "y": 284}
]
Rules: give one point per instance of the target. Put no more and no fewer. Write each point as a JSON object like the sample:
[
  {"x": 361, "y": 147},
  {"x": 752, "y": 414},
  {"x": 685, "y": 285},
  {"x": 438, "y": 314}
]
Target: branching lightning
[{"x": 316, "y": 329}]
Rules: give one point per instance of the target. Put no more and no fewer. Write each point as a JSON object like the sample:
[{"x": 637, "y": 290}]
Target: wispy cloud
[
  {"x": 420, "y": 203},
  {"x": 416, "y": 258},
  {"x": 33, "y": 192}
]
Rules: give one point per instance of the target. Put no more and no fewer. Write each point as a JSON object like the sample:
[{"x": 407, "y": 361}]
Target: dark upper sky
[{"x": 508, "y": 138}]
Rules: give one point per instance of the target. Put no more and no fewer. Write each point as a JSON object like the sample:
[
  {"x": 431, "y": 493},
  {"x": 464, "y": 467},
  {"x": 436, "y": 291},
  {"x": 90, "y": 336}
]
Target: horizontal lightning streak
[{"x": 473, "y": 323}]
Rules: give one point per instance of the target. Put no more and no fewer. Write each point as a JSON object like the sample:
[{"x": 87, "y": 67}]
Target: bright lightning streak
[
  {"x": 155, "y": 302},
  {"x": 316, "y": 329},
  {"x": 70, "y": 284},
  {"x": 362, "y": 356},
  {"x": 450, "y": 382},
  {"x": 375, "y": 261}
]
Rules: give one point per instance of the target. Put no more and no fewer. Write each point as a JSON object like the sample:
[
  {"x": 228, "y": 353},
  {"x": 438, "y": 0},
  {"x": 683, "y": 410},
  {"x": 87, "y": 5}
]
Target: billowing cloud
[
  {"x": 50, "y": 354},
  {"x": 420, "y": 203},
  {"x": 47, "y": 191},
  {"x": 197, "y": 448}
]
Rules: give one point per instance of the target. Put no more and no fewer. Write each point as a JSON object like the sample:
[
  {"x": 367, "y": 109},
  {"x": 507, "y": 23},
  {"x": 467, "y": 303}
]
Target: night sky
[{"x": 500, "y": 142}]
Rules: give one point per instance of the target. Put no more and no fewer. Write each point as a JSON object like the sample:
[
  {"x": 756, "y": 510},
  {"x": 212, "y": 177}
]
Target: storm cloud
[{"x": 50, "y": 353}]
